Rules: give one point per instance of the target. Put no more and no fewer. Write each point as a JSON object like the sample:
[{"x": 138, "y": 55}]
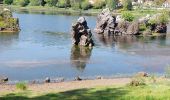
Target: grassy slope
[{"x": 148, "y": 92}]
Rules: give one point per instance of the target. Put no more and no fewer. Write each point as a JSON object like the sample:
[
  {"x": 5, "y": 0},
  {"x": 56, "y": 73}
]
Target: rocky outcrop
[
  {"x": 105, "y": 23},
  {"x": 7, "y": 22},
  {"x": 111, "y": 25},
  {"x": 81, "y": 34}
]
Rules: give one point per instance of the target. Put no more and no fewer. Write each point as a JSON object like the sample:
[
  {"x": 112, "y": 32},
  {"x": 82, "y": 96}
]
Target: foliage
[
  {"x": 127, "y": 16},
  {"x": 51, "y": 2},
  {"x": 21, "y": 86},
  {"x": 35, "y": 2},
  {"x": 127, "y": 4},
  {"x": 160, "y": 18},
  {"x": 85, "y": 5},
  {"x": 22, "y": 3},
  {"x": 142, "y": 27},
  {"x": 9, "y": 2},
  {"x": 63, "y": 3},
  {"x": 137, "y": 81},
  {"x": 111, "y": 4},
  {"x": 159, "y": 2},
  {"x": 99, "y": 4},
  {"x": 2, "y": 24},
  {"x": 75, "y": 4}
]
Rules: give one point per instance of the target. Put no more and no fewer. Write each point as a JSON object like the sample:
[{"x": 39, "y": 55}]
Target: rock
[
  {"x": 133, "y": 29},
  {"x": 142, "y": 74},
  {"x": 161, "y": 28},
  {"x": 4, "y": 79},
  {"x": 47, "y": 80},
  {"x": 78, "y": 78},
  {"x": 81, "y": 34},
  {"x": 99, "y": 77},
  {"x": 105, "y": 23}
]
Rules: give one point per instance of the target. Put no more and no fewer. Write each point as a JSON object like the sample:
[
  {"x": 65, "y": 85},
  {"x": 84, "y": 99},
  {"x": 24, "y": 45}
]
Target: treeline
[{"x": 75, "y": 4}]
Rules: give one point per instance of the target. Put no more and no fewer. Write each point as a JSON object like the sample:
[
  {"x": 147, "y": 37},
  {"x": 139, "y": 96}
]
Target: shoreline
[{"x": 66, "y": 86}]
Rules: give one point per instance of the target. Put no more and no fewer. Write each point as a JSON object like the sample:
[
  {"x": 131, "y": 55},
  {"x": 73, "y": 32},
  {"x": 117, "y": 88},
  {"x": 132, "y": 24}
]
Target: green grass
[{"x": 154, "y": 91}]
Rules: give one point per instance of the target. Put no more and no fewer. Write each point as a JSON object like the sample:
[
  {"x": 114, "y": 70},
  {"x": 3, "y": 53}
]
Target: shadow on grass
[{"x": 80, "y": 94}]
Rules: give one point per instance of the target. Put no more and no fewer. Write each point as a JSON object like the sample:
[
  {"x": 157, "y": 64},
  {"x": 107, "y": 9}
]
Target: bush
[
  {"x": 51, "y": 2},
  {"x": 35, "y": 2},
  {"x": 63, "y": 3},
  {"x": 137, "y": 81},
  {"x": 21, "y": 86},
  {"x": 111, "y": 4},
  {"x": 9, "y": 2},
  {"x": 75, "y": 4},
  {"x": 160, "y": 18},
  {"x": 159, "y": 2},
  {"x": 127, "y": 16},
  {"x": 99, "y": 4},
  {"x": 21, "y": 2},
  {"x": 85, "y": 5},
  {"x": 127, "y": 5}
]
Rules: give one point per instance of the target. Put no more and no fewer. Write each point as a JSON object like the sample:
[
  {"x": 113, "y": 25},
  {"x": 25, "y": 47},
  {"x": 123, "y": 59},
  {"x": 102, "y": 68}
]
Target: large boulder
[
  {"x": 105, "y": 22},
  {"x": 133, "y": 28},
  {"x": 81, "y": 34}
]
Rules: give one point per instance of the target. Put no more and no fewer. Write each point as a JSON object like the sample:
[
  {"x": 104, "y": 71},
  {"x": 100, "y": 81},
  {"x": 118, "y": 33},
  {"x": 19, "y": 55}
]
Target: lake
[{"x": 43, "y": 49}]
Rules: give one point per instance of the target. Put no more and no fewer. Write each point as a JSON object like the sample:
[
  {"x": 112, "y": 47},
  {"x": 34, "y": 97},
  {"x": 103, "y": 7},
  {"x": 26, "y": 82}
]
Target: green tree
[
  {"x": 51, "y": 2},
  {"x": 75, "y": 4},
  {"x": 35, "y": 2},
  {"x": 111, "y": 4},
  {"x": 99, "y": 4},
  {"x": 21, "y": 2},
  {"x": 85, "y": 5},
  {"x": 127, "y": 4},
  {"x": 63, "y": 3},
  {"x": 9, "y": 2}
]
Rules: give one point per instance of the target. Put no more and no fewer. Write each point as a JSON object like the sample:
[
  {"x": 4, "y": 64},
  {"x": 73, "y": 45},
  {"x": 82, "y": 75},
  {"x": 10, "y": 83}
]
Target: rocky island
[{"x": 7, "y": 22}]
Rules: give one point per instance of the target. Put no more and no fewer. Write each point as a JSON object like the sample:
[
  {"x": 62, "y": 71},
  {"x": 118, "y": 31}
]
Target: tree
[
  {"x": 75, "y": 4},
  {"x": 51, "y": 2},
  {"x": 9, "y": 2},
  {"x": 99, "y": 4},
  {"x": 127, "y": 5},
  {"x": 85, "y": 5},
  {"x": 111, "y": 4},
  {"x": 63, "y": 3},
  {"x": 35, "y": 2},
  {"x": 21, "y": 2}
]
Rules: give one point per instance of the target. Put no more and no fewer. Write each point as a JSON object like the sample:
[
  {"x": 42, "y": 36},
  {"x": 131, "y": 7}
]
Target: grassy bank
[
  {"x": 69, "y": 11},
  {"x": 158, "y": 90},
  {"x": 54, "y": 10}
]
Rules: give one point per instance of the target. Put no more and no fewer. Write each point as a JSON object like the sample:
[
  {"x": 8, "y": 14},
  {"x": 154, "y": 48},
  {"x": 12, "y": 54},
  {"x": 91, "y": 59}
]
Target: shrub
[
  {"x": 63, "y": 3},
  {"x": 85, "y": 5},
  {"x": 51, "y": 2},
  {"x": 142, "y": 27},
  {"x": 99, "y": 4},
  {"x": 127, "y": 16},
  {"x": 159, "y": 2},
  {"x": 35, "y": 2},
  {"x": 137, "y": 81},
  {"x": 111, "y": 4},
  {"x": 160, "y": 18},
  {"x": 21, "y": 2},
  {"x": 9, "y": 2},
  {"x": 21, "y": 86},
  {"x": 127, "y": 4}
]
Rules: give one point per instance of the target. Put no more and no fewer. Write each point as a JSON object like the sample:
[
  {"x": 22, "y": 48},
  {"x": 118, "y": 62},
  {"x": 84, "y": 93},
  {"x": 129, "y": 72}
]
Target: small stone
[
  {"x": 47, "y": 80},
  {"x": 78, "y": 78},
  {"x": 142, "y": 74}
]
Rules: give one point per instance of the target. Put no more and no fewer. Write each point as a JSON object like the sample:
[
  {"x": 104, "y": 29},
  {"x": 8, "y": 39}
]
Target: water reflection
[
  {"x": 7, "y": 39},
  {"x": 80, "y": 56},
  {"x": 136, "y": 44}
]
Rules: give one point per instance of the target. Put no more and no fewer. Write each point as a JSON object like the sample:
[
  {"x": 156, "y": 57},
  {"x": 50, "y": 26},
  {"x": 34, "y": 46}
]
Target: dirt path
[{"x": 66, "y": 86}]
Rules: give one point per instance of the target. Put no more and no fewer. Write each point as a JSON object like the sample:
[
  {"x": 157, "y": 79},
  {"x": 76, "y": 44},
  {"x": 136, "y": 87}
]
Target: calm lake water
[{"x": 43, "y": 49}]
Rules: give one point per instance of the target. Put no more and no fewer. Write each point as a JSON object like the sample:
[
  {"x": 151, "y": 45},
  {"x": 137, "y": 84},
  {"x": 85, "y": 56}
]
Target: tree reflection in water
[{"x": 80, "y": 56}]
